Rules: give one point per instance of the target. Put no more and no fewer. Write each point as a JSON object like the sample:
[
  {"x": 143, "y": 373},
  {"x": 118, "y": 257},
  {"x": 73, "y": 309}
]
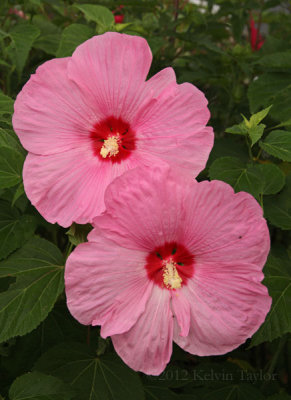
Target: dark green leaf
[
  {"x": 38, "y": 268},
  {"x": 6, "y": 104},
  {"x": 278, "y": 144},
  {"x": 15, "y": 229},
  {"x": 22, "y": 35},
  {"x": 11, "y": 162},
  {"x": 233, "y": 171},
  {"x": 72, "y": 37},
  {"x": 278, "y": 208},
  {"x": 95, "y": 378},
  {"x": 272, "y": 178},
  {"x": 278, "y": 282},
  {"x": 50, "y": 35},
  {"x": 243, "y": 391},
  {"x": 37, "y": 386}
]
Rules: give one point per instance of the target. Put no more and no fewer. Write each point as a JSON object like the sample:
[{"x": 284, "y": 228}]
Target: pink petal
[
  {"x": 181, "y": 308},
  {"x": 223, "y": 226},
  {"x": 147, "y": 346},
  {"x": 143, "y": 212},
  {"x": 173, "y": 126},
  {"x": 106, "y": 285},
  {"x": 69, "y": 187},
  {"x": 51, "y": 113},
  {"x": 228, "y": 304},
  {"x": 111, "y": 70}
]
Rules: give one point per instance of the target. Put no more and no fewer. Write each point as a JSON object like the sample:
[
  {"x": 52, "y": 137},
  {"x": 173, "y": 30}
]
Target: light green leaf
[
  {"x": 278, "y": 144},
  {"x": 103, "y": 377},
  {"x": 78, "y": 233},
  {"x": 11, "y": 163},
  {"x": 38, "y": 268},
  {"x": 278, "y": 281},
  {"x": 99, "y": 14},
  {"x": 240, "y": 176},
  {"x": 256, "y": 132},
  {"x": 259, "y": 116},
  {"x": 23, "y": 35},
  {"x": 272, "y": 178},
  {"x": 15, "y": 229},
  {"x": 37, "y": 386},
  {"x": 239, "y": 129},
  {"x": 72, "y": 37},
  {"x": 278, "y": 208}
]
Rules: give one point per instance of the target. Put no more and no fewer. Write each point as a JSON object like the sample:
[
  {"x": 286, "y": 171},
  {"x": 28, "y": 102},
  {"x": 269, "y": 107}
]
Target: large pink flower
[
  {"x": 88, "y": 118},
  {"x": 171, "y": 259}
]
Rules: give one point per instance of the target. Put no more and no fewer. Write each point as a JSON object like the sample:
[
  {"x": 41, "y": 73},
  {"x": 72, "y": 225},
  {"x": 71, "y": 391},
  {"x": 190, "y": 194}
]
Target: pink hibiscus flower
[
  {"x": 171, "y": 259},
  {"x": 88, "y": 118}
]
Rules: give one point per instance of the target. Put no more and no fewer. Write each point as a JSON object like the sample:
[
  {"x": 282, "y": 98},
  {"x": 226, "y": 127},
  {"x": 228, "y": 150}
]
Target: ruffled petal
[
  {"x": 147, "y": 346},
  {"x": 228, "y": 304},
  {"x": 223, "y": 226},
  {"x": 111, "y": 69},
  {"x": 51, "y": 114},
  {"x": 106, "y": 285},
  {"x": 69, "y": 187},
  {"x": 173, "y": 126},
  {"x": 142, "y": 211}
]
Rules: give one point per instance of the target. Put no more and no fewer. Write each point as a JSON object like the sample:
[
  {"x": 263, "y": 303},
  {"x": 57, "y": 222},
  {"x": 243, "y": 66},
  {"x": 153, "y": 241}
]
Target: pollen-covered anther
[
  {"x": 110, "y": 147},
  {"x": 171, "y": 278}
]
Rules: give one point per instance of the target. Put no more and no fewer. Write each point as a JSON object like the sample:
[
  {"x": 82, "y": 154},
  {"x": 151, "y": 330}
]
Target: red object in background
[
  {"x": 256, "y": 39},
  {"x": 19, "y": 13},
  {"x": 118, "y": 19}
]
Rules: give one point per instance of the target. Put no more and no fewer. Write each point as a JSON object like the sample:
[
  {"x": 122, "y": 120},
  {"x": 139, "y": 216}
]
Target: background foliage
[{"x": 44, "y": 352}]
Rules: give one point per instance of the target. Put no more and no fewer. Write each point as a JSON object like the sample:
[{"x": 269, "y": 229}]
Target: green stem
[{"x": 69, "y": 249}]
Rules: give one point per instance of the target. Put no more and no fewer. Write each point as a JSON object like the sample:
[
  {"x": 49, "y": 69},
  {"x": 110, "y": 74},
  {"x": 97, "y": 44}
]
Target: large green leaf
[
  {"x": 11, "y": 162},
  {"x": 72, "y": 36},
  {"x": 15, "y": 229},
  {"x": 278, "y": 208},
  {"x": 271, "y": 177},
  {"x": 38, "y": 268},
  {"x": 271, "y": 88},
  {"x": 95, "y": 377},
  {"x": 6, "y": 104},
  {"x": 233, "y": 171},
  {"x": 37, "y": 386},
  {"x": 22, "y": 36},
  {"x": 278, "y": 280},
  {"x": 99, "y": 14},
  {"x": 242, "y": 391},
  {"x": 50, "y": 35},
  {"x": 278, "y": 144}
]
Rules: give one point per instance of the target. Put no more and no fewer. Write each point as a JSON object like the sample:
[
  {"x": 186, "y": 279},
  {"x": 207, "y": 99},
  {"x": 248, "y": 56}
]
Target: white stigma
[
  {"x": 110, "y": 147},
  {"x": 172, "y": 279}
]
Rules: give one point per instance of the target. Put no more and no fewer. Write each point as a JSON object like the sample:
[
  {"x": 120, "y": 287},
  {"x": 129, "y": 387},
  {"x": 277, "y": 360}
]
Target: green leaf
[
  {"x": 22, "y": 35},
  {"x": 272, "y": 178},
  {"x": 278, "y": 208},
  {"x": 259, "y": 116},
  {"x": 103, "y": 377},
  {"x": 38, "y": 268},
  {"x": 11, "y": 163},
  {"x": 15, "y": 229},
  {"x": 78, "y": 233},
  {"x": 99, "y": 14},
  {"x": 271, "y": 88},
  {"x": 9, "y": 139},
  {"x": 50, "y": 35},
  {"x": 278, "y": 281},
  {"x": 278, "y": 144},
  {"x": 242, "y": 391},
  {"x": 37, "y": 386},
  {"x": 72, "y": 37},
  {"x": 256, "y": 132},
  {"x": 6, "y": 104},
  {"x": 239, "y": 129},
  {"x": 276, "y": 61},
  {"x": 233, "y": 171}
]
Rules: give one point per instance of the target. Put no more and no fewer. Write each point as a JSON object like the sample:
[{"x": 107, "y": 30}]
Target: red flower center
[
  {"x": 112, "y": 139},
  {"x": 170, "y": 266}
]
